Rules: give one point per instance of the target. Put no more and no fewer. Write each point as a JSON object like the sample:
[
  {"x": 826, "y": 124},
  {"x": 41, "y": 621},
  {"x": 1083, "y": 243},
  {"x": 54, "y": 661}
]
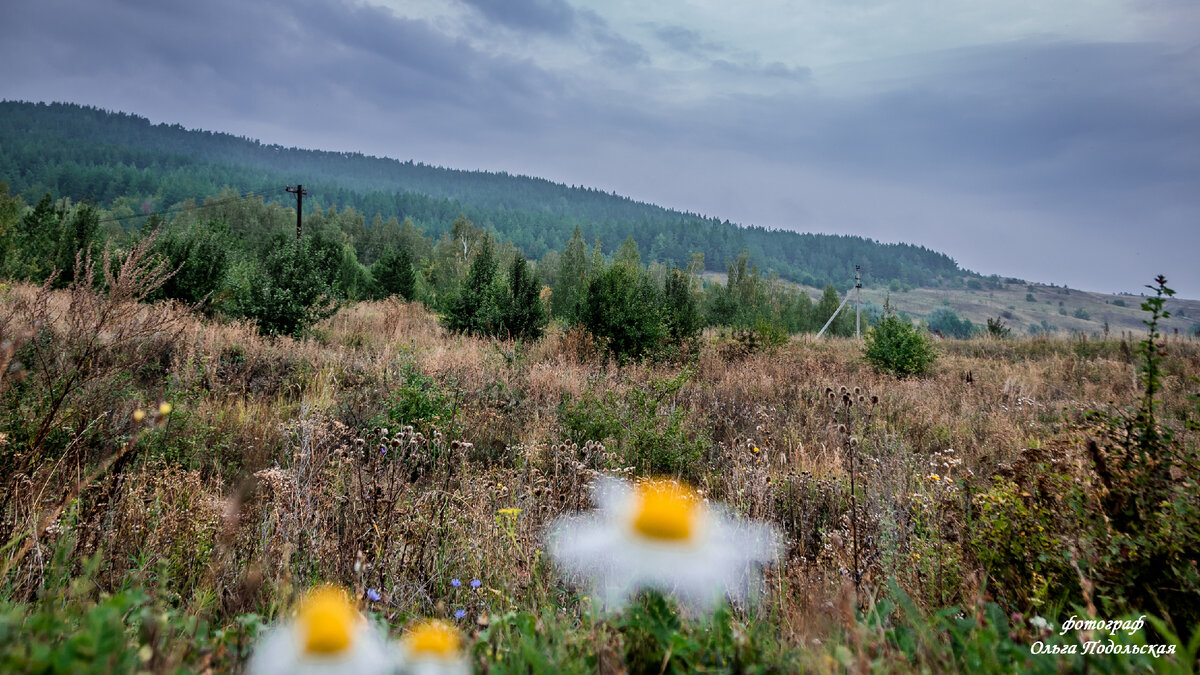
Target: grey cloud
[
  {"x": 548, "y": 16},
  {"x": 686, "y": 40}
]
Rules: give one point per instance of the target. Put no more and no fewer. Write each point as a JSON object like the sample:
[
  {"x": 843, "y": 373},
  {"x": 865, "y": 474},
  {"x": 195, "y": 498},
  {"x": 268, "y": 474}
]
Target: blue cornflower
[
  {"x": 458, "y": 614},
  {"x": 475, "y": 583},
  {"x": 383, "y": 449},
  {"x": 373, "y": 595},
  {"x": 455, "y": 583}
]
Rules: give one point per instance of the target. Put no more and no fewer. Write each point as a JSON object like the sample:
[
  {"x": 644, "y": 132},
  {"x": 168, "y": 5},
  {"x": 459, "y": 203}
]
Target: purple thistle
[
  {"x": 455, "y": 583},
  {"x": 475, "y": 583},
  {"x": 373, "y": 595},
  {"x": 458, "y": 614}
]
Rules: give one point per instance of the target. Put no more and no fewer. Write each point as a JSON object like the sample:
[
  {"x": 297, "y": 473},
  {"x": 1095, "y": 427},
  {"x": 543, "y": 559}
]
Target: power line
[{"x": 182, "y": 209}]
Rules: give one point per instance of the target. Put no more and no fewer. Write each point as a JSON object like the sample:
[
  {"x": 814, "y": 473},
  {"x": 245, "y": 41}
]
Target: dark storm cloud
[{"x": 281, "y": 54}]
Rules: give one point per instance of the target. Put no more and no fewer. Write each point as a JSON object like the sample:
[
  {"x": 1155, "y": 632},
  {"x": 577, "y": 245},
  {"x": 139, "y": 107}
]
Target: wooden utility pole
[{"x": 299, "y": 191}]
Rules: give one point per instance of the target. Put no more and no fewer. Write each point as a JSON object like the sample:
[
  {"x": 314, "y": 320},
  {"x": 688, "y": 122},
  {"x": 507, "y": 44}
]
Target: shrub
[
  {"x": 294, "y": 287},
  {"x": 622, "y": 307},
  {"x": 947, "y": 322},
  {"x": 200, "y": 256},
  {"x": 1082, "y": 313},
  {"x": 997, "y": 329},
  {"x": 895, "y": 346}
]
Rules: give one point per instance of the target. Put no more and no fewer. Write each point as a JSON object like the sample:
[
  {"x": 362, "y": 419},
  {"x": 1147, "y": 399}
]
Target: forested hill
[{"x": 91, "y": 154}]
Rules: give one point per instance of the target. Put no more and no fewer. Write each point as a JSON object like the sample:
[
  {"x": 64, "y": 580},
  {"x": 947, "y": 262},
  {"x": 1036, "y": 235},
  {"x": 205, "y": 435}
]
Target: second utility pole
[{"x": 299, "y": 191}]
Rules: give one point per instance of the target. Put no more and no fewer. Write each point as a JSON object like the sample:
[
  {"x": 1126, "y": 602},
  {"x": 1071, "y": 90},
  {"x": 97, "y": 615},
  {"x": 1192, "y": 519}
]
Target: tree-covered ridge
[{"x": 103, "y": 157}]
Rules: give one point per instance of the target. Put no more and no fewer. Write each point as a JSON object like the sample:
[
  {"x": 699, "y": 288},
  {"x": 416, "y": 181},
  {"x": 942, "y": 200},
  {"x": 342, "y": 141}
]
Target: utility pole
[
  {"x": 857, "y": 297},
  {"x": 857, "y": 286},
  {"x": 299, "y": 191}
]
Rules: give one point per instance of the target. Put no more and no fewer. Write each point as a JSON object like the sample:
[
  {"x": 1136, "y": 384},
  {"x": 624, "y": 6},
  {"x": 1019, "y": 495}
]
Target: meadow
[{"x": 173, "y": 483}]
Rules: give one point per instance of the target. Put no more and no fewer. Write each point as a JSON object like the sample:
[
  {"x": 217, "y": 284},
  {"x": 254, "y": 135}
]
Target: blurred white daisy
[
  {"x": 661, "y": 535},
  {"x": 432, "y": 648},
  {"x": 327, "y": 636}
]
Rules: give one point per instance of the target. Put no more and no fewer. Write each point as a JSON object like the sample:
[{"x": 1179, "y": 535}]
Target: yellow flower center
[
  {"x": 327, "y": 621},
  {"x": 665, "y": 510},
  {"x": 433, "y": 638}
]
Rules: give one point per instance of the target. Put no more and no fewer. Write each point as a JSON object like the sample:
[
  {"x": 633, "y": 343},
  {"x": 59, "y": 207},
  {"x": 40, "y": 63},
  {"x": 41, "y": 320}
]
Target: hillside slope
[{"x": 88, "y": 153}]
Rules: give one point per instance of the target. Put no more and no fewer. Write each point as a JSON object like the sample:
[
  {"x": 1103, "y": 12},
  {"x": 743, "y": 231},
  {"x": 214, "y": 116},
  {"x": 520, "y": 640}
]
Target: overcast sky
[{"x": 1054, "y": 140}]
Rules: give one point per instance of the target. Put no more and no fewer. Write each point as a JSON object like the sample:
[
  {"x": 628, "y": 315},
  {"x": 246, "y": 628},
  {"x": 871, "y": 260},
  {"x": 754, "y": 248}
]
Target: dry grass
[{"x": 270, "y": 475}]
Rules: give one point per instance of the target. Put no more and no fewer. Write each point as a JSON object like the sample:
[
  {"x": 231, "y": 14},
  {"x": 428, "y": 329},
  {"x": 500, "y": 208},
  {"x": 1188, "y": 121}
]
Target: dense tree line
[
  {"x": 127, "y": 165},
  {"x": 240, "y": 257}
]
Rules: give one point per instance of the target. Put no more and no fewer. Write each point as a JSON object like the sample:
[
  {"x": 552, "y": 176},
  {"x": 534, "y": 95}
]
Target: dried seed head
[
  {"x": 857, "y": 391},
  {"x": 874, "y": 399},
  {"x": 841, "y": 428},
  {"x": 842, "y": 391},
  {"x": 853, "y": 442},
  {"x": 862, "y": 399}
]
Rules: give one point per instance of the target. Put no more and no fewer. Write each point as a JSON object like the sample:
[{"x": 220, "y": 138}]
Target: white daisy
[
  {"x": 661, "y": 535},
  {"x": 327, "y": 637},
  {"x": 433, "y": 648}
]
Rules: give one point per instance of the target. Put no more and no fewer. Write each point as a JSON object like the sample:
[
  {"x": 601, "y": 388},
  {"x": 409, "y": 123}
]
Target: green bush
[
  {"x": 622, "y": 307},
  {"x": 895, "y": 346},
  {"x": 200, "y": 256},
  {"x": 946, "y": 321},
  {"x": 293, "y": 288},
  {"x": 650, "y": 433}
]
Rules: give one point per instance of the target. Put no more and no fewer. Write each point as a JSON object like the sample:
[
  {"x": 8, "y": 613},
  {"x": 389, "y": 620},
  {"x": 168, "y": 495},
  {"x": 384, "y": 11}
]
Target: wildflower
[
  {"x": 475, "y": 583},
  {"x": 139, "y": 415},
  {"x": 433, "y": 648},
  {"x": 460, "y": 613},
  {"x": 660, "y": 534},
  {"x": 326, "y": 636},
  {"x": 164, "y": 409},
  {"x": 373, "y": 595},
  {"x": 455, "y": 583}
]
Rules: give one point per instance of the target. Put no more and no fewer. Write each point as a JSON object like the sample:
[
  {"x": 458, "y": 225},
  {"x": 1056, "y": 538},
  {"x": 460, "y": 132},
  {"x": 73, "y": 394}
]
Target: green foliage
[
  {"x": 657, "y": 641},
  {"x": 1029, "y": 297},
  {"x": 474, "y": 309},
  {"x": 997, "y": 329},
  {"x": 1014, "y": 535},
  {"x": 622, "y": 307},
  {"x": 419, "y": 400},
  {"x": 394, "y": 274},
  {"x": 651, "y": 433},
  {"x": 523, "y": 315},
  {"x": 294, "y": 287},
  {"x": 1082, "y": 313},
  {"x": 1150, "y": 525},
  {"x": 109, "y": 156},
  {"x": 201, "y": 257},
  {"x": 680, "y": 313},
  {"x": 843, "y": 325},
  {"x": 946, "y": 321},
  {"x": 895, "y": 346}
]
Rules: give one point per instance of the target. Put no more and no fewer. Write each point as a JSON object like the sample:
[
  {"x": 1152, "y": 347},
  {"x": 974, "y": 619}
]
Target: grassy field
[{"x": 926, "y": 523}]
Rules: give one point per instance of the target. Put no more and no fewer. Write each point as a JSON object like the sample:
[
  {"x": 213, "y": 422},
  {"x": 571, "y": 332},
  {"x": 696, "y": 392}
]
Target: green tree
[
  {"x": 573, "y": 273},
  {"x": 293, "y": 288},
  {"x": 200, "y": 254},
  {"x": 843, "y": 325},
  {"x": 394, "y": 273},
  {"x": 524, "y": 315},
  {"x": 473, "y": 307},
  {"x": 622, "y": 307},
  {"x": 682, "y": 317}
]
